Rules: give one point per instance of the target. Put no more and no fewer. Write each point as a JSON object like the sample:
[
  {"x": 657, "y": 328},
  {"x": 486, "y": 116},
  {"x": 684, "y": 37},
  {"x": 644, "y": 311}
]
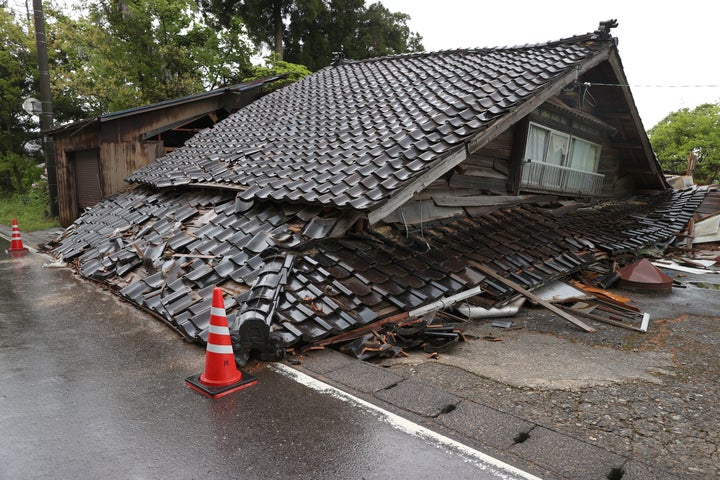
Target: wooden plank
[
  {"x": 532, "y": 296},
  {"x": 476, "y": 160},
  {"x": 600, "y": 318},
  {"x": 484, "y": 172},
  {"x": 489, "y": 200},
  {"x": 359, "y": 332},
  {"x": 481, "y": 183}
]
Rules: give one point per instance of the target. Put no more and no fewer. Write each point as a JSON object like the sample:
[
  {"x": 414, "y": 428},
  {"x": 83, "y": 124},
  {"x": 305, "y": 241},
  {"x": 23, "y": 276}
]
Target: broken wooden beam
[
  {"x": 359, "y": 332},
  {"x": 600, "y": 318},
  {"x": 561, "y": 313}
]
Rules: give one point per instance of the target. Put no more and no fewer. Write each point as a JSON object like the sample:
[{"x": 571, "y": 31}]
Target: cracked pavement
[{"x": 564, "y": 403}]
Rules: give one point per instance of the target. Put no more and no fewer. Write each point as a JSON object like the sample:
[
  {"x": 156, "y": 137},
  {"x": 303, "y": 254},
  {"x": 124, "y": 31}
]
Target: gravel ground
[
  {"x": 670, "y": 419},
  {"x": 674, "y": 424}
]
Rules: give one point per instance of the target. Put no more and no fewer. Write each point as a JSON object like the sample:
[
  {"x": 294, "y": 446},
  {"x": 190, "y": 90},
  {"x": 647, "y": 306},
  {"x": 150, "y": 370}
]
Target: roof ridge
[{"x": 594, "y": 36}]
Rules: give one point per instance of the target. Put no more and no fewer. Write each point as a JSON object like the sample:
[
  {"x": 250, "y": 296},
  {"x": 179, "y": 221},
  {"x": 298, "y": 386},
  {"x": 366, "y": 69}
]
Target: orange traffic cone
[
  {"x": 221, "y": 375},
  {"x": 16, "y": 245}
]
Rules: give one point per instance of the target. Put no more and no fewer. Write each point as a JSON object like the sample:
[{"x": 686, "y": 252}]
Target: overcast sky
[{"x": 668, "y": 47}]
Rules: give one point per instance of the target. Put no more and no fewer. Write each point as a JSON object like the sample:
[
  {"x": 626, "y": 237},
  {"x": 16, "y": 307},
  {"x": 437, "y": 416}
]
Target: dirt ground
[{"x": 653, "y": 397}]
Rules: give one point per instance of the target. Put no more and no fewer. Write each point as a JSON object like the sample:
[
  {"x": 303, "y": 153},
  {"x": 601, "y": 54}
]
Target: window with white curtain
[
  {"x": 584, "y": 155},
  {"x": 547, "y": 145}
]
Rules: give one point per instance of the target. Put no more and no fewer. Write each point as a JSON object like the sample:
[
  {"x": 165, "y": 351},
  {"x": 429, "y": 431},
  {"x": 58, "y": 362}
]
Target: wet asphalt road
[{"x": 93, "y": 388}]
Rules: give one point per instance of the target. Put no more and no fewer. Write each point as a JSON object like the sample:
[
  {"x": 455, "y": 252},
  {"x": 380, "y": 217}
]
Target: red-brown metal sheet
[{"x": 643, "y": 275}]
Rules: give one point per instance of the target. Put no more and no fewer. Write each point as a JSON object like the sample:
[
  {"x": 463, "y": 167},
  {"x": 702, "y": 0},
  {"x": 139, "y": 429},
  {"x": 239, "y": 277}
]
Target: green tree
[
  {"x": 319, "y": 29},
  {"x": 384, "y": 33},
  {"x": 685, "y": 131},
  {"x": 19, "y": 161},
  {"x": 117, "y": 54},
  {"x": 264, "y": 21},
  {"x": 308, "y": 32},
  {"x": 274, "y": 66}
]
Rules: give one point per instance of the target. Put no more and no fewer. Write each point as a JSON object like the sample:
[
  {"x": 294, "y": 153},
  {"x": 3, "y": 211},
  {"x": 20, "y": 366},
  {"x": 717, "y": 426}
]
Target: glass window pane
[
  {"x": 535, "y": 149},
  {"x": 584, "y": 155},
  {"x": 558, "y": 149}
]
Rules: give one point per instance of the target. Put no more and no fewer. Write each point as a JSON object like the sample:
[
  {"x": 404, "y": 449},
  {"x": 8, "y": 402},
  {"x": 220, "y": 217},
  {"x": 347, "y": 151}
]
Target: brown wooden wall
[
  {"x": 486, "y": 170},
  {"x": 120, "y": 159},
  {"x": 116, "y": 160},
  {"x": 130, "y": 127},
  {"x": 65, "y": 145}
]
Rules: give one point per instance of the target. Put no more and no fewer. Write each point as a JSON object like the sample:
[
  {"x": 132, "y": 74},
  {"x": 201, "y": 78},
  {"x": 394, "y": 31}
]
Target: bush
[{"x": 30, "y": 209}]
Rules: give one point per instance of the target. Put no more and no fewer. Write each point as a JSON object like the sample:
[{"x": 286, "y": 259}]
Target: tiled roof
[
  {"x": 166, "y": 251},
  {"x": 352, "y": 135}
]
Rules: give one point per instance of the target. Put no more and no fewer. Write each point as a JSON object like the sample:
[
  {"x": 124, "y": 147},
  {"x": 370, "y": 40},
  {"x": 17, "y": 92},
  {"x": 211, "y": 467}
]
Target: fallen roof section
[{"x": 287, "y": 283}]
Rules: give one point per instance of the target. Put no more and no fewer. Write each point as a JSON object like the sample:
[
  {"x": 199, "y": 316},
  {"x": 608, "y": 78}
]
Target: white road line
[{"x": 481, "y": 460}]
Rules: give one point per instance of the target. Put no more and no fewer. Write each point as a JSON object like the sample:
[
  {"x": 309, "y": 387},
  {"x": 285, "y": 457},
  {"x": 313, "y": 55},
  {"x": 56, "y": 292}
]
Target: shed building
[{"x": 94, "y": 155}]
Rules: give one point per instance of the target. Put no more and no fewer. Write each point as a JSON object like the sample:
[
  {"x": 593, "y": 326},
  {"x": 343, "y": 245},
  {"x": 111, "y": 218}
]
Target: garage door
[{"x": 87, "y": 179}]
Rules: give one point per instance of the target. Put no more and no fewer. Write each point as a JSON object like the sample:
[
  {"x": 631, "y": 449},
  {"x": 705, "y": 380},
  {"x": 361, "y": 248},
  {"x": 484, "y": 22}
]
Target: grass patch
[
  {"x": 29, "y": 209},
  {"x": 712, "y": 286}
]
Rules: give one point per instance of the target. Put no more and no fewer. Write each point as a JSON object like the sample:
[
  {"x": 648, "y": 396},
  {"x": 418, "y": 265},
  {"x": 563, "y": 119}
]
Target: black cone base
[{"x": 217, "y": 392}]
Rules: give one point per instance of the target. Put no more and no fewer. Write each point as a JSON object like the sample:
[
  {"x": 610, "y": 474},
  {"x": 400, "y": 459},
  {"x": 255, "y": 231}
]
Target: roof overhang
[{"x": 231, "y": 91}]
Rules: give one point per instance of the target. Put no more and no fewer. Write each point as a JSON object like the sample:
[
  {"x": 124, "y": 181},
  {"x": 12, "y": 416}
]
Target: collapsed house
[{"x": 374, "y": 188}]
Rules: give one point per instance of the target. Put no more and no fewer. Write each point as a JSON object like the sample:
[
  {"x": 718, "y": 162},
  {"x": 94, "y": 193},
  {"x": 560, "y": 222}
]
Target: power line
[{"x": 594, "y": 84}]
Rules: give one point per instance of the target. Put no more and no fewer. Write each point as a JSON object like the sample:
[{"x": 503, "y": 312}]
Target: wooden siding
[
  {"x": 131, "y": 127},
  {"x": 84, "y": 139},
  {"x": 121, "y": 159},
  {"x": 116, "y": 161},
  {"x": 487, "y": 169},
  {"x": 483, "y": 171}
]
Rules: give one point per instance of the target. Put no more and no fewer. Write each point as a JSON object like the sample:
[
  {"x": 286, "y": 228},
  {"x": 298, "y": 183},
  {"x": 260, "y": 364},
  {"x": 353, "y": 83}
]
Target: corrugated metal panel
[{"x": 87, "y": 179}]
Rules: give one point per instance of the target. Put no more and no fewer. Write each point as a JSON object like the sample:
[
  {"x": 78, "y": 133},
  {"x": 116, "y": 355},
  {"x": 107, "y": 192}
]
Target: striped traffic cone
[
  {"x": 16, "y": 245},
  {"x": 221, "y": 375}
]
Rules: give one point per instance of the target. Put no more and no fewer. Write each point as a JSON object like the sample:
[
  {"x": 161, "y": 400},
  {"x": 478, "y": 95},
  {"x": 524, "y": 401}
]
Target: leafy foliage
[
  {"x": 274, "y": 66},
  {"x": 320, "y": 28},
  {"x": 264, "y": 20},
  {"x": 685, "y": 131},
  {"x": 308, "y": 32},
  {"x": 18, "y": 154},
  {"x": 30, "y": 209},
  {"x": 126, "y": 53}
]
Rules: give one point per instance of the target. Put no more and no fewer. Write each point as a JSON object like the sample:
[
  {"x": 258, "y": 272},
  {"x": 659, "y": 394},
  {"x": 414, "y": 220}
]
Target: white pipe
[
  {"x": 444, "y": 302},
  {"x": 480, "y": 312}
]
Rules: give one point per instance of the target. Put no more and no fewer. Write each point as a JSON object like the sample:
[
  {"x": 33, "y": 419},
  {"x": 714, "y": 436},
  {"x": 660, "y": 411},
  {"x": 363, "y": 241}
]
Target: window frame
[{"x": 567, "y": 158}]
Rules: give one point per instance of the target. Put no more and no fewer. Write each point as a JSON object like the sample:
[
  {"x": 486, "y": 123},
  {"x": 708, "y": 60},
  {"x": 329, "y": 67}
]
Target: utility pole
[{"x": 46, "y": 117}]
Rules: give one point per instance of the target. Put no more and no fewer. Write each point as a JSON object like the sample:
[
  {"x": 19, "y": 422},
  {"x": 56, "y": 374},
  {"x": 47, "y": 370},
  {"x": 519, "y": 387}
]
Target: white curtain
[
  {"x": 584, "y": 155},
  {"x": 535, "y": 149},
  {"x": 558, "y": 149}
]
